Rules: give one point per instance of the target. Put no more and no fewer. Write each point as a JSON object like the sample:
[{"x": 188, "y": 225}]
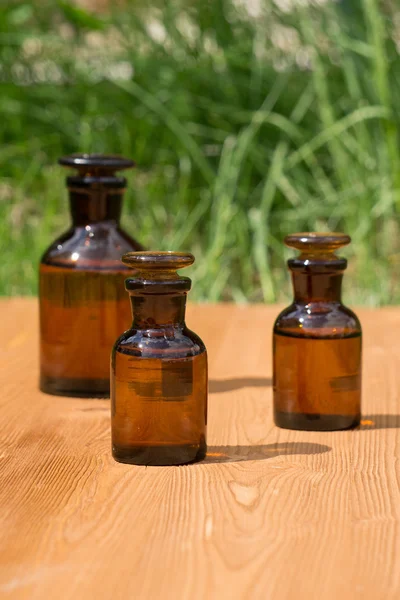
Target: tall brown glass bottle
[
  {"x": 83, "y": 305},
  {"x": 158, "y": 369},
  {"x": 317, "y": 342}
]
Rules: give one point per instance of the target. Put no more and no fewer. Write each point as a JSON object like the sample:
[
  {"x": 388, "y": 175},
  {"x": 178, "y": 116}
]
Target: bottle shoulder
[
  {"x": 98, "y": 246},
  {"x": 171, "y": 342},
  {"x": 318, "y": 319}
]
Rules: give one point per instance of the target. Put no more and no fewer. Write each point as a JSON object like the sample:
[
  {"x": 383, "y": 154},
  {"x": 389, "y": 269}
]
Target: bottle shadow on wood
[
  {"x": 217, "y": 386},
  {"x": 223, "y": 454},
  {"x": 379, "y": 422}
]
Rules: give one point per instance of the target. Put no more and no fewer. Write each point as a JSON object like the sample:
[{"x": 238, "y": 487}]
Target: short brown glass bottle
[
  {"x": 83, "y": 305},
  {"x": 317, "y": 342},
  {"x": 158, "y": 369}
]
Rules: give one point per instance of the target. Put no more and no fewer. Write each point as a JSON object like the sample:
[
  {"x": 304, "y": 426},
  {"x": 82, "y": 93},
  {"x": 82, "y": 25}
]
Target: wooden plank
[{"x": 271, "y": 514}]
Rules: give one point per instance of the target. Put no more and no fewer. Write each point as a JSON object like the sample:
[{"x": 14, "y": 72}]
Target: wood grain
[{"x": 271, "y": 514}]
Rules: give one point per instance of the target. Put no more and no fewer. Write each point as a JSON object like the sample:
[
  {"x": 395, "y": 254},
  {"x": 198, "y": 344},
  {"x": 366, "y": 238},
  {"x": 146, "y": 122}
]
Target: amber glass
[
  {"x": 317, "y": 342},
  {"x": 83, "y": 304},
  {"x": 158, "y": 369}
]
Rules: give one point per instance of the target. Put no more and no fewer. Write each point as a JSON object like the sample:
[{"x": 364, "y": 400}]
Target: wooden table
[{"x": 271, "y": 514}]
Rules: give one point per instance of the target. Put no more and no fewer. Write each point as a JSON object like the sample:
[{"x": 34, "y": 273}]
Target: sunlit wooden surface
[{"x": 271, "y": 514}]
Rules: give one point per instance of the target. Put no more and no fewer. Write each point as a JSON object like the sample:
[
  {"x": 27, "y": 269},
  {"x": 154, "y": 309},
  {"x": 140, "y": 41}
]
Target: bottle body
[
  {"x": 317, "y": 342},
  {"x": 159, "y": 398},
  {"x": 159, "y": 376},
  {"x": 317, "y": 369},
  {"x": 83, "y": 307},
  {"x": 82, "y": 302}
]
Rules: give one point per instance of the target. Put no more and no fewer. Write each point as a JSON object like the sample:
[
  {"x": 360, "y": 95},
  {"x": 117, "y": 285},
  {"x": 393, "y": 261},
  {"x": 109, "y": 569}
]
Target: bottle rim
[{"x": 112, "y": 162}]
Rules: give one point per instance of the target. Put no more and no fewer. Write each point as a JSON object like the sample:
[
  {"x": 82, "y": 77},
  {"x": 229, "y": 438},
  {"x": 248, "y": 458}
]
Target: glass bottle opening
[
  {"x": 156, "y": 271},
  {"x": 317, "y": 251},
  {"x": 159, "y": 260},
  {"x": 96, "y": 169},
  {"x": 107, "y": 162}
]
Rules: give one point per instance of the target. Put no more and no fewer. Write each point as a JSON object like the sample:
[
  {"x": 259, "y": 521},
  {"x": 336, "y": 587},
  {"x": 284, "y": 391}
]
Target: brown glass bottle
[
  {"x": 317, "y": 342},
  {"x": 158, "y": 369},
  {"x": 83, "y": 305}
]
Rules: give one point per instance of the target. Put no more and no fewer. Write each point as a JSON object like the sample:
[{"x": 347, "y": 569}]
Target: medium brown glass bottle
[
  {"x": 317, "y": 342},
  {"x": 158, "y": 369},
  {"x": 83, "y": 305}
]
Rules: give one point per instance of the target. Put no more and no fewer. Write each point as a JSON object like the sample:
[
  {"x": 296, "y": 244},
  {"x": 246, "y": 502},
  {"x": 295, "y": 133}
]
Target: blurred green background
[{"x": 247, "y": 119}]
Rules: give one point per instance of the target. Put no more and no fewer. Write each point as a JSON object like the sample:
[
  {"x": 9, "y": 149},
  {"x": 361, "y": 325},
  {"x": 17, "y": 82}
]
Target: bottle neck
[
  {"x": 317, "y": 287},
  {"x": 95, "y": 205},
  {"x": 158, "y": 310}
]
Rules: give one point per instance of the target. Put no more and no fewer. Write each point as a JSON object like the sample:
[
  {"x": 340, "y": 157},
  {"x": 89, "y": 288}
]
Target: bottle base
[
  {"x": 315, "y": 422},
  {"x": 77, "y": 388},
  {"x": 159, "y": 456}
]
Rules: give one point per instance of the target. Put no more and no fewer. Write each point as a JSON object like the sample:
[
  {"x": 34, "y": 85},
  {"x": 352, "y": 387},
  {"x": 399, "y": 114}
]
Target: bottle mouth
[
  {"x": 105, "y": 162},
  {"x": 145, "y": 287},
  {"x": 156, "y": 271},
  {"x": 314, "y": 241},
  {"x": 317, "y": 265},
  {"x": 317, "y": 251},
  {"x": 96, "y": 169},
  {"x": 158, "y": 260}
]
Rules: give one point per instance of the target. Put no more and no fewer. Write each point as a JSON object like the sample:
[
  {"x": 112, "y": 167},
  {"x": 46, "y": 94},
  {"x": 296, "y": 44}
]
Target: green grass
[{"x": 243, "y": 129}]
